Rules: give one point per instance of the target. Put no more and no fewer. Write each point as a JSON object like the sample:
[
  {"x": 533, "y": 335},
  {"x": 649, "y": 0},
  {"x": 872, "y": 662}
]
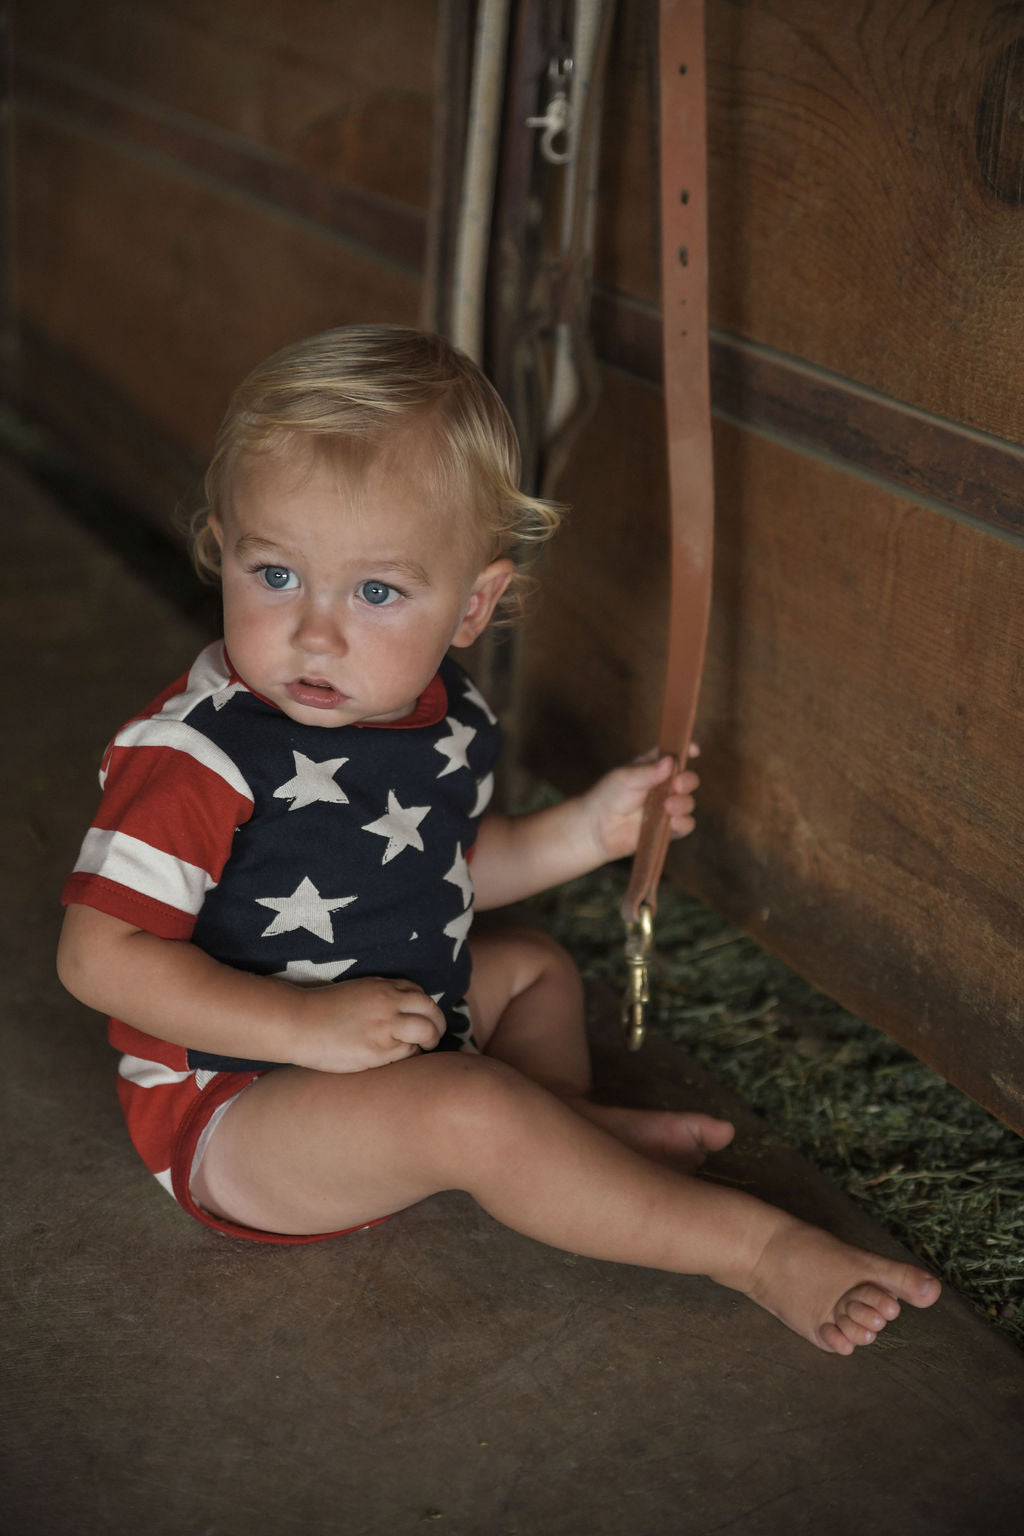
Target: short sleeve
[{"x": 172, "y": 802}]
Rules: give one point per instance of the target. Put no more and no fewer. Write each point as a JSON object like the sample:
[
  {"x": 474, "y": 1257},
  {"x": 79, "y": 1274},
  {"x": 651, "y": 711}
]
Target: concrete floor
[{"x": 439, "y": 1371}]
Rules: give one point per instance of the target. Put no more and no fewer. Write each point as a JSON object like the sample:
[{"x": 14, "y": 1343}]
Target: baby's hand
[
  {"x": 616, "y": 802},
  {"x": 367, "y": 1022}
]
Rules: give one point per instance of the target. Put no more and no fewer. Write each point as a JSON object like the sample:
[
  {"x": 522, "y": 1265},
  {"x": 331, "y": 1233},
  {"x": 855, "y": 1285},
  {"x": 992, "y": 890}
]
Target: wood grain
[
  {"x": 861, "y": 724},
  {"x": 852, "y": 222},
  {"x": 968, "y": 472},
  {"x": 342, "y": 91},
  {"x": 169, "y": 290},
  {"x": 393, "y": 230}
]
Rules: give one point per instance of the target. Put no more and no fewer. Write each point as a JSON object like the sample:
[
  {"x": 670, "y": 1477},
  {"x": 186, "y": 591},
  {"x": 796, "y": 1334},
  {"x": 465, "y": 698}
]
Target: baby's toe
[
  {"x": 880, "y": 1302},
  {"x": 832, "y": 1338},
  {"x": 855, "y": 1332},
  {"x": 714, "y": 1135},
  {"x": 862, "y": 1314},
  {"x": 867, "y": 1317}
]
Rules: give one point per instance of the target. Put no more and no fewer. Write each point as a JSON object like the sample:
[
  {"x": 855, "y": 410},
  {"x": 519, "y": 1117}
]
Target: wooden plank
[
  {"x": 861, "y": 724},
  {"x": 343, "y": 91},
  {"x": 133, "y": 466},
  {"x": 169, "y": 290},
  {"x": 855, "y": 217},
  {"x": 395, "y": 230},
  {"x": 969, "y": 472}
]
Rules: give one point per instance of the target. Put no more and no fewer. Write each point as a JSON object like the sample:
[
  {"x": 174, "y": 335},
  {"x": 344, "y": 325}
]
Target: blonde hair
[{"x": 358, "y": 388}]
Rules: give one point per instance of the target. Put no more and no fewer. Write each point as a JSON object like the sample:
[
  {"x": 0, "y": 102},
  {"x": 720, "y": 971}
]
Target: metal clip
[
  {"x": 639, "y": 941},
  {"x": 557, "y": 115}
]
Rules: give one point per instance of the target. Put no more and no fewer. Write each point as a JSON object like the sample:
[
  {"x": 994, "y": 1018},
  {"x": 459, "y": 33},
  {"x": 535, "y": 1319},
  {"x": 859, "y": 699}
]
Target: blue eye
[
  {"x": 378, "y": 593},
  {"x": 278, "y": 577}
]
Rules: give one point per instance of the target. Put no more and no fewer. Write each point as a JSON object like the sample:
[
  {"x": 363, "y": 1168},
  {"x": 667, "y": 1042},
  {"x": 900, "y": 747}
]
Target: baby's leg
[
  {"x": 526, "y": 1001},
  {"x": 303, "y": 1152}
]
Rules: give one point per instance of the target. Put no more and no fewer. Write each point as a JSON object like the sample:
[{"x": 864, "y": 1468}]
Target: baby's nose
[{"x": 320, "y": 629}]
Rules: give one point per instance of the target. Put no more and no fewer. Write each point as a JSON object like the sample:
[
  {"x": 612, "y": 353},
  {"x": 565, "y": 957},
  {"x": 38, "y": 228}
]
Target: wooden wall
[
  {"x": 862, "y": 717},
  {"x": 197, "y": 184}
]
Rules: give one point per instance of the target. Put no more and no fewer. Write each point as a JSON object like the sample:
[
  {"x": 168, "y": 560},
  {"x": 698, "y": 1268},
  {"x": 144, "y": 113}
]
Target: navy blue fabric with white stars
[{"x": 355, "y": 860}]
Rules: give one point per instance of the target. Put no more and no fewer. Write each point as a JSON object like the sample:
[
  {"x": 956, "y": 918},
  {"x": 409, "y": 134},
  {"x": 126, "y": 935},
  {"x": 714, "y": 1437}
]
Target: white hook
[
  {"x": 557, "y": 117},
  {"x": 554, "y": 122}
]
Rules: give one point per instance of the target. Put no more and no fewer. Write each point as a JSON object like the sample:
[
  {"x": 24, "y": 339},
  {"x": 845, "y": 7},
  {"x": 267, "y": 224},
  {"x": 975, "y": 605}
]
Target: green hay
[{"x": 933, "y": 1168}]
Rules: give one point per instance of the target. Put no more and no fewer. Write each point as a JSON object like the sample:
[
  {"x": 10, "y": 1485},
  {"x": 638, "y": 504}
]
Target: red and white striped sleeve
[{"x": 172, "y": 801}]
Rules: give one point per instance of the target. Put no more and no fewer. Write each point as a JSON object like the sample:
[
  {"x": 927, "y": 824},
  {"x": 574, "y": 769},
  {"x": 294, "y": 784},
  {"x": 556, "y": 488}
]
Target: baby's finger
[
  {"x": 679, "y": 808},
  {"x": 685, "y": 783},
  {"x": 409, "y": 988},
  {"x": 399, "y": 1051},
  {"x": 655, "y": 754},
  {"x": 651, "y": 769},
  {"x": 645, "y": 759},
  {"x": 413, "y": 999},
  {"x": 418, "y": 1029}
]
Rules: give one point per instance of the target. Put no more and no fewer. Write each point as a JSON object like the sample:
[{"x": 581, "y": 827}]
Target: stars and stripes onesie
[{"x": 307, "y": 852}]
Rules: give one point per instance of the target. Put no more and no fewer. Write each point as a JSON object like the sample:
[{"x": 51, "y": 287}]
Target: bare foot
[
  {"x": 836, "y": 1296},
  {"x": 662, "y": 1134}
]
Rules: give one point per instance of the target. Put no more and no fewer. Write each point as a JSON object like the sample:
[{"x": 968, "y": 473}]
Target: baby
[{"x": 275, "y": 900}]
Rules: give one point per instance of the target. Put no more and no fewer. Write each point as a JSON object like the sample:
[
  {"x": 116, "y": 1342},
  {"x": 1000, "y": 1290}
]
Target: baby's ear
[{"x": 487, "y": 590}]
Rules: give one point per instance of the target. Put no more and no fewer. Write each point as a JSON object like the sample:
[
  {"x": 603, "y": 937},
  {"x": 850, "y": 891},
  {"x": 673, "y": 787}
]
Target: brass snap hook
[{"x": 639, "y": 941}]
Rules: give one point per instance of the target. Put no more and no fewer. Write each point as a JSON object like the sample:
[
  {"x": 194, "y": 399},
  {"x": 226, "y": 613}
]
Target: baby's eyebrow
[
  {"x": 251, "y": 543},
  {"x": 397, "y": 566}
]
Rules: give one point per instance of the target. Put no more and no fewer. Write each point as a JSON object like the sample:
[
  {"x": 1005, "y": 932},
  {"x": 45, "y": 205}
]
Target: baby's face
[{"x": 340, "y": 603}]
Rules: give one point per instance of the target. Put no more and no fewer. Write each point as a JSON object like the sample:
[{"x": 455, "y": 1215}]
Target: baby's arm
[
  {"x": 517, "y": 856},
  {"x": 174, "y": 990}
]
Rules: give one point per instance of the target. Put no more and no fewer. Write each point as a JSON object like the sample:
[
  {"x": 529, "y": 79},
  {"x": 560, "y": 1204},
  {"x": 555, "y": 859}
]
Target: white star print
[
  {"x": 458, "y": 929},
  {"x": 304, "y": 908},
  {"x": 477, "y": 698},
  {"x": 314, "y": 973},
  {"x": 484, "y": 791},
  {"x": 459, "y": 875},
  {"x": 313, "y": 782},
  {"x": 399, "y": 827},
  {"x": 453, "y": 747}
]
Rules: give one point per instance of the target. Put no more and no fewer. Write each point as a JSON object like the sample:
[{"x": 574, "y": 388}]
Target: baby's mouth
[{"x": 314, "y": 693}]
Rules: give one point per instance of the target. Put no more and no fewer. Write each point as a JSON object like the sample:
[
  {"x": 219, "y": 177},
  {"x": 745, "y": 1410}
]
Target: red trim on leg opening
[{"x": 193, "y": 1123}]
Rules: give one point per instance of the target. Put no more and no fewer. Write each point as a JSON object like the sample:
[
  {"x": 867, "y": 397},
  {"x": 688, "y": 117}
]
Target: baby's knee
[
  {"x": 546, "y": 950},
  {"x": 478, "y": 1103},
  {"x": 539, "y": 957},
  {"x": 522, "y": 975}
]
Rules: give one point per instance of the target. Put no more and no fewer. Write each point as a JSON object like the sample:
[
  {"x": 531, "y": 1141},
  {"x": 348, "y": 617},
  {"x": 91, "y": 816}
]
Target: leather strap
[{"x": 684, "y": 264}]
